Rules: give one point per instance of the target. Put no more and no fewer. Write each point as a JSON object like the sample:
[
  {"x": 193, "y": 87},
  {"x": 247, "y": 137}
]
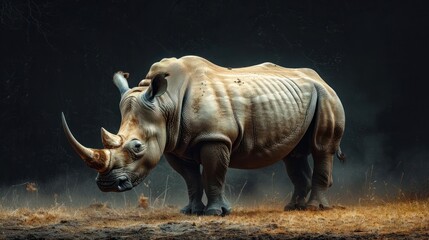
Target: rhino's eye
[{"x": 136, "y": 147}]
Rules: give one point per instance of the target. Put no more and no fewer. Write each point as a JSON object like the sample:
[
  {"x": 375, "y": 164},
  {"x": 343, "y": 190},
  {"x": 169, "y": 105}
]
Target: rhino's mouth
[{"x": 118, "y": 180}]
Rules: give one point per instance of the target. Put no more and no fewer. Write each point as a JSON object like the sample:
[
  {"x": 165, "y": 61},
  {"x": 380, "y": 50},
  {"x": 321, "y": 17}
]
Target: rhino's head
[{"x": 130, "y": 154}]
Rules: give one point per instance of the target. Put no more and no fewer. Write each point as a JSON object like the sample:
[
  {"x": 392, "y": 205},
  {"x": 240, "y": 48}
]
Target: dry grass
[
  {"x": 406, "y": 219},
  {"x": 388, "y": 218}
]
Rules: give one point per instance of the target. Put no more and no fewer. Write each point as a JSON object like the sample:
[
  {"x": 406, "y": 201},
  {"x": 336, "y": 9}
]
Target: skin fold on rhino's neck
[
  {"x": 168, "y": 109},
  {"x": 171, "y": 106}
]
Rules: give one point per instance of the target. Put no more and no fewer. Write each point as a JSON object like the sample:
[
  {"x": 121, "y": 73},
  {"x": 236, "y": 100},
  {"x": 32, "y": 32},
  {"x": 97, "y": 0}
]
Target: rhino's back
[{"x": 261, "y": 111}]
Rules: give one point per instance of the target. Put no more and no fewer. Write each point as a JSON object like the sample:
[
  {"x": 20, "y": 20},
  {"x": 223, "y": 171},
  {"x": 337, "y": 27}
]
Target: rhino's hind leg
[
  {"x": 321, "y": 181},
  {"x": 191, "y": 173},
  {"x": 215, "y": 160},
  {"x": 299, "y": 172}
]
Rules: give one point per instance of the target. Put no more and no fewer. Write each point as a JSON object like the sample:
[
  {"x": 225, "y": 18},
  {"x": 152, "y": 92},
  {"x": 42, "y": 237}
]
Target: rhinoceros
[{"x": 196, "y": 113}]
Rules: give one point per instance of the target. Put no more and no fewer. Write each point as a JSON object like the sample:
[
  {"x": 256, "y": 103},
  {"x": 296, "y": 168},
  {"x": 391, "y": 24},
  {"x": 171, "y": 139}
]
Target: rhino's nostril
[{"x": 124, "y": 183}]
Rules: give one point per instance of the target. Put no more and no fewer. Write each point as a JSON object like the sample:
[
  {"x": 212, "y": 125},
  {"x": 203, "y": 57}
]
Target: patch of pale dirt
[{"x": 404, "y": 220}]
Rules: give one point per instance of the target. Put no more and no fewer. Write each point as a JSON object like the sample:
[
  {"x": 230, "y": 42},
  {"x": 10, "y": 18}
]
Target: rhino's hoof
[
  {"x": 198, "y": 213},
  {"x": 325, "y": 207},
  {"x": 213, "y": 212},
  {"x": 185, "y": 210},
  {"x": 188, "y": 210},
  {"x": 312, "y": 208},
  {"x": 217, "y": 212},
  {"x": 315, "y": 206},
  {"x": 294, "y": 206}
]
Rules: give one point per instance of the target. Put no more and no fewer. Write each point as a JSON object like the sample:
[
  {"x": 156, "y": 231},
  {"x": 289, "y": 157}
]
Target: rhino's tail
[{"x": 340, "y": 155}]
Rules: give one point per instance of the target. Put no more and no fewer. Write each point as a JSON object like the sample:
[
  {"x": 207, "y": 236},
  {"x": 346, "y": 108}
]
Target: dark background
[{"x": 61, "y": 55}]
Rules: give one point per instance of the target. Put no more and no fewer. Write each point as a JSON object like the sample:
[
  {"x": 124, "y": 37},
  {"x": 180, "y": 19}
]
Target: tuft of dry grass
[
  {"x": 31, "y": 187},
  {"x": 143, "y": 202}
]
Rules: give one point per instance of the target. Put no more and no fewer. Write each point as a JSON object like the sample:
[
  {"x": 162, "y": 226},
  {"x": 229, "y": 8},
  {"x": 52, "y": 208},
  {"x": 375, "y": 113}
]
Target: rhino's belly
[{"x": 250, "y": 156}]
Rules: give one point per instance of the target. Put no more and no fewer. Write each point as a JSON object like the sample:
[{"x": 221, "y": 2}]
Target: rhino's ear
[
  {"x": 120, "y": 80},
  {"x": 157, "y": 87}
]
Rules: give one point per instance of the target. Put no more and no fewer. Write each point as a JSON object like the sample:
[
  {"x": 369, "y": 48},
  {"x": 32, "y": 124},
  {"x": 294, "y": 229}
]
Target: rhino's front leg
[
  {"x": 215, "y": 160},
  {"x": 191, "y": 173}
]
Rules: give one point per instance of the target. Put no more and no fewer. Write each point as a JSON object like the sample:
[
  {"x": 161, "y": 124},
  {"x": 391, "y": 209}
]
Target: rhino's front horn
[
  {"x": 120, "y": 80},
  {"x": 110, "y": 140},
  {"x": 95, "y": 158}
]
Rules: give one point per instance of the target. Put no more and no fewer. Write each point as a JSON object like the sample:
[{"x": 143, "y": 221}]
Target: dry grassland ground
[{"x": 401, "y": 220}]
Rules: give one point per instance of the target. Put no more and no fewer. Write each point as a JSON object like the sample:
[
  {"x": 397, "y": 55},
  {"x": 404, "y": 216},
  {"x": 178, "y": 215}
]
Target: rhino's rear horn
[
  {"x": 110, "y": 140},
  {"x": 120, "y": 80},
  {"x": 98, "y": 159}
]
